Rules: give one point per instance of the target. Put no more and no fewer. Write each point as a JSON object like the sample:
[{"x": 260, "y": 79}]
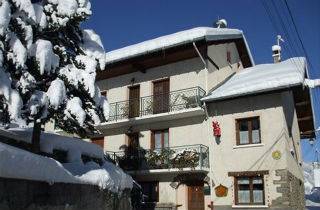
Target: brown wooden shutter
[
  {"x": 152, "y": 140},
  {"x": 134, "y": 101},
  {"x": 237, "y": 132}
]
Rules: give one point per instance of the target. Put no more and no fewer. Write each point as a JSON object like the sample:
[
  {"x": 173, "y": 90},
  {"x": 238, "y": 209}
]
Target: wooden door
[
  {"x": 134, "y": 101},
  {"x": 161, "y": 96},
  {"x": 195, "y": 198},
  {"x": 99, "y": 141}
]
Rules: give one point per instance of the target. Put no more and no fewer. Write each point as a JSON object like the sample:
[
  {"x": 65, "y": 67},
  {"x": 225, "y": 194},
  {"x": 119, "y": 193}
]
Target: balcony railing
[
  {"x": 155, "y": 104},
  {"x": 182, "y": 157}
]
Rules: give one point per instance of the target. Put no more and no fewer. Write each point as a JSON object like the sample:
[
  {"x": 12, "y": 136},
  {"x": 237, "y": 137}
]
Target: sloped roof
[
  {"x": 261, "y": 78},
  {"x": 172, "y": 40}
]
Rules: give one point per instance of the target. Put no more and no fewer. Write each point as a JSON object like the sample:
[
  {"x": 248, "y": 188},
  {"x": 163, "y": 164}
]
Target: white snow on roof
[
  {"x": 50, "y": 141},
  {"x": 261, "y": 78},
  {"x": 171, "y": 40},
  {"x": 21, "y": 164}
]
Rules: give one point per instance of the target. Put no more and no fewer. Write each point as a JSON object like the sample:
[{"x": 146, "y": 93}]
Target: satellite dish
[{"x": 222, "y": 23}]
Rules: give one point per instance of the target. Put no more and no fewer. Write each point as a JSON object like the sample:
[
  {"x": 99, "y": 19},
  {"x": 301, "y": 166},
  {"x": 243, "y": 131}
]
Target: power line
[
  {"x": 299, "y": 37},
  {"x": 278, "y": 30}
]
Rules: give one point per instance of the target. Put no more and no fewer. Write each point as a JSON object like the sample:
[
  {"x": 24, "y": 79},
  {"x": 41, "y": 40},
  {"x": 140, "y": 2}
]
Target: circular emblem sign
[
  {"x": 221, "y": 191},
  {"x": 276, "y": 155}
]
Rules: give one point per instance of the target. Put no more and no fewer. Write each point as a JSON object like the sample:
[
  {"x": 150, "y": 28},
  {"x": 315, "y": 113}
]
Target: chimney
[
  {"x": 276, "y": 53},
  {"x": 276, "y": 50}
]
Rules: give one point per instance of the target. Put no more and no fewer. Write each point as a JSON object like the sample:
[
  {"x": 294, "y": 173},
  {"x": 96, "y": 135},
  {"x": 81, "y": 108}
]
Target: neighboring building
[{"x": 171, "y": 97}]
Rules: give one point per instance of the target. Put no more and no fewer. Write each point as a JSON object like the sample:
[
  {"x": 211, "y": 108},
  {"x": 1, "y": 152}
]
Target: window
[
  {"x": 249, "y": 190},
  {"x": 160, "y": 139},
  {"x": 248, "y": 131},
  {"x": 150, "y": 190},
  {"x": 104, "y": 93}
]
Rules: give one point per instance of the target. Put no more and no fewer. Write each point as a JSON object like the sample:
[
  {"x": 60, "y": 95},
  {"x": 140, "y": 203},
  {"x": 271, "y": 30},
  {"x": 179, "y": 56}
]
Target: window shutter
[{"x": 152, "y": 140}]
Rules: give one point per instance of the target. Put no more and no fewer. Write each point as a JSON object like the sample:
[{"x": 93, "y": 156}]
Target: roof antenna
[
  {"x": 221, "y": 23},
  {"x": 276, "y": 50}
]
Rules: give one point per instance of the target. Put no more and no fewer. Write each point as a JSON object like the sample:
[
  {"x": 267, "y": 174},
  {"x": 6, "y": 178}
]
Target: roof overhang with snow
[
  {"x": 172, "y": 48},
  {"x": 265, "y": 78}
]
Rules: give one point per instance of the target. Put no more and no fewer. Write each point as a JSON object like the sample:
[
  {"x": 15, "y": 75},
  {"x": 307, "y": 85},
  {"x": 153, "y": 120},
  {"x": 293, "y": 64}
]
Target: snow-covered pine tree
[{"x": 48, "y": 66}]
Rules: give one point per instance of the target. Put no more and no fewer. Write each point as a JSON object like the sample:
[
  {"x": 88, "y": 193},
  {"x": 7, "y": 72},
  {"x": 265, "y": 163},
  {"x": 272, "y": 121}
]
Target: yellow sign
[
  {"x": 276, "y": 155},
  {"x": 221, "y": 191}
]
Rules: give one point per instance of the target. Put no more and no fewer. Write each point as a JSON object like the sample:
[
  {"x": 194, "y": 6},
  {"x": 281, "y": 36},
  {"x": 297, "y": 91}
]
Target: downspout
[
  {"x": 211, "y": 144},
  {"x": 199, "y": 54},
  {"x": 204, "y": 63}
]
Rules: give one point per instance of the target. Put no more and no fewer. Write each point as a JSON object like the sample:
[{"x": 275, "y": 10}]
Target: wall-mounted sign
[
  {"x": 276, "y": 155},
  {"x": 221, "y": 191}
]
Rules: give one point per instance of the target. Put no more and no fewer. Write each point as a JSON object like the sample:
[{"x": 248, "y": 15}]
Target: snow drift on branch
[
  {"x": 4, "y": 16},
  {"x": 56, "y": 93},
  {"x": 74, "y": 107},
  {"x": 42, "y": 50},
  {"x": 11, "y": 96},
  {"x": 93, "y": 47}
]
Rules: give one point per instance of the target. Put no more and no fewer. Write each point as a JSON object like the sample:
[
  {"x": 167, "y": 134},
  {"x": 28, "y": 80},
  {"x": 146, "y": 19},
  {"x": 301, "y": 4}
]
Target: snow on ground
[
  {"x": 312, "y": 194},
  {"x": 21, "y": 164}
]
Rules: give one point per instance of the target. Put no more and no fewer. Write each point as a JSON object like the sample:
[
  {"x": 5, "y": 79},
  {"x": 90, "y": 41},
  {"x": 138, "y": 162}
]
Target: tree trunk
[{"x": 36, "y": 137}]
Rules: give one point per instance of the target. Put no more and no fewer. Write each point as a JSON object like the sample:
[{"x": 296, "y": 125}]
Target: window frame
[
  {"x": 153, "y": 139},
  {"x": 236, "y": 190},
  {"x": 249, "y": 121}
]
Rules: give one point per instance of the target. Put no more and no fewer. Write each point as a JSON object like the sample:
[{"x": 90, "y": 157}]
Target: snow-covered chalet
[{"x": 199, "y": 126}]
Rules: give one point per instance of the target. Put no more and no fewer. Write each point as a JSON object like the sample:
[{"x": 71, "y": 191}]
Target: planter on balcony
[{"x": 192, "y": 156}]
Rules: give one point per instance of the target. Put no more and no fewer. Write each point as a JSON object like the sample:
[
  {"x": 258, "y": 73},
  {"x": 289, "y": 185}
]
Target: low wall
[{"x": 16, "y": 194}]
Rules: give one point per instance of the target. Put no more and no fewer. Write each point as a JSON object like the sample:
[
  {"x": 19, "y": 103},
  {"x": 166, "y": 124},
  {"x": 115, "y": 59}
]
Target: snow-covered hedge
[{"x": 21, "y": 164}]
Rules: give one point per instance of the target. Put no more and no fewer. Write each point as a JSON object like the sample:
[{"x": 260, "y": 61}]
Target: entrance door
[
  {"x": 134, "y": 99},
  {"x": 161, "y": 96},
  {"x": 195, "y": 198},
  {"x": 98, "y": 140}
]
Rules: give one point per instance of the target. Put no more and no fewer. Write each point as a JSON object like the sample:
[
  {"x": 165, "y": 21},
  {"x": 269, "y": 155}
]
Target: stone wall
[
  {"x": 292, "y": 190},
  {"x": 18, "y": 194}
]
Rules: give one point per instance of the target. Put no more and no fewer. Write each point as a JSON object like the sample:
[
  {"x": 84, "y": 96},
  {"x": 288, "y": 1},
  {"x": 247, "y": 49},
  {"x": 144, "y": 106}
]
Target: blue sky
[{"x": 122, "y": 22}]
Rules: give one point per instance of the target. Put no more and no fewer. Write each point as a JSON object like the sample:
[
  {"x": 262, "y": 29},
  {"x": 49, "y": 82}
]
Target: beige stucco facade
[{"x": 278, "y": 126}]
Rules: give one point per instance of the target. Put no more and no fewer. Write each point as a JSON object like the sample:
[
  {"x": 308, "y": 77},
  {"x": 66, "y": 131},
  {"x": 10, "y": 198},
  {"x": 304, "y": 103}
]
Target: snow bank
[
  {"x": 261, "y": 78},
  {"x": 20, "y": 164},
  {"x": 50, "y": 141},
  {"x": 107, "y": 176}
]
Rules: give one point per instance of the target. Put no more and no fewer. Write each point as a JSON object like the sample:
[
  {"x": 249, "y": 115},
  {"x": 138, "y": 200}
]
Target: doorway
[
  {"x": 161, "y": 96},
  {"x": 195, "y": 197},
  {"x": 134, "y": 101}
]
